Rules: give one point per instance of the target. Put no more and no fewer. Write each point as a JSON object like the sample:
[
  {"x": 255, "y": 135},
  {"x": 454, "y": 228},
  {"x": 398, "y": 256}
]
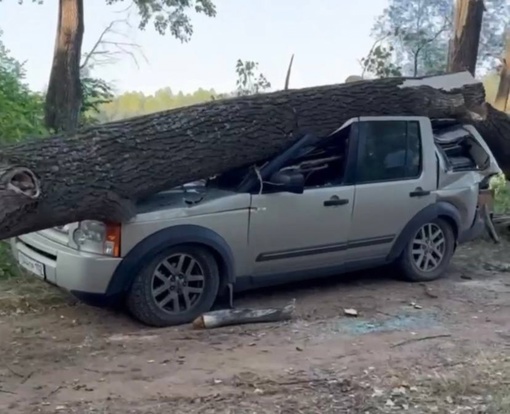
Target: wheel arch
[
  {"x": 172, "y": 236},
  {"x": 441, "y": 209}
]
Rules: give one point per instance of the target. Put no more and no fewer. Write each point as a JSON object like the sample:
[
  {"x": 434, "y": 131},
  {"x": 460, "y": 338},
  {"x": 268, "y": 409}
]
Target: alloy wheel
[
  {"x": 428, "y": 247},
  {"x": 177, "y": 283}
]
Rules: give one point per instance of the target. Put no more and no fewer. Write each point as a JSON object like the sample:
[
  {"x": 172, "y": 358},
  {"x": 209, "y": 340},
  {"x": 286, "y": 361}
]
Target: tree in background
[
  {"x": 64, "y": 96},
  {"x": 131, "y": 104},
  {"x": 502, "y": 95},
  {"x": 379, "y": 62},
  {"x": 492, "y": 37},
  {"x": 21, "y": 110},
  {"x": 249, "y": 80},
  {"x": 106, "y": 51},
  {"x": 419, "y": 32},
  {"x": 465, "y": 39}
]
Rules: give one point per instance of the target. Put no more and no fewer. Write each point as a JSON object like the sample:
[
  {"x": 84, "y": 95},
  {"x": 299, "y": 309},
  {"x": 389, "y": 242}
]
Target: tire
[
  {"x": 409, "y": 265},
  {"x": 166, "y": 276}
]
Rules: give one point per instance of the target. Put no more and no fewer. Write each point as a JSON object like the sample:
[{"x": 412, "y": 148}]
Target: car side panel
[{"x": 230, "y": 223}]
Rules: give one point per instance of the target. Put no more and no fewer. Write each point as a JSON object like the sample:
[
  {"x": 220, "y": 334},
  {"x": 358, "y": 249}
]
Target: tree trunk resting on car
[{"x": 101, "y": 171}]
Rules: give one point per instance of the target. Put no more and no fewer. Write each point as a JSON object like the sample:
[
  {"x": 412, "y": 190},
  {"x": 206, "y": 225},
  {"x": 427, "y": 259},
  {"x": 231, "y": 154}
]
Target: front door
[
  {"x": 395, "y": 179},
  {"x": 294, "y": 232}
]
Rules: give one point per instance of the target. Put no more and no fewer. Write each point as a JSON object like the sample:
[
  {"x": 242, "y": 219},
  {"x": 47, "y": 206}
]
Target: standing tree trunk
[
  {"x": 63, "y": 99},
  {"x": 466, "y": 35},
  {"x": 503, "y": 93}
]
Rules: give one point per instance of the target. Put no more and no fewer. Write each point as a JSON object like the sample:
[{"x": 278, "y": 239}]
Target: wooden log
[
  {"x": 494, "y": 126},
  {"x": 101, "y": 171},
  {"x": 227, "y": 317}
]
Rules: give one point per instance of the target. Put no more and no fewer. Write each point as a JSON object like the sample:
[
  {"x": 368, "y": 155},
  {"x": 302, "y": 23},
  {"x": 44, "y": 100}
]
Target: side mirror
[{"x": 289, "y": 181}]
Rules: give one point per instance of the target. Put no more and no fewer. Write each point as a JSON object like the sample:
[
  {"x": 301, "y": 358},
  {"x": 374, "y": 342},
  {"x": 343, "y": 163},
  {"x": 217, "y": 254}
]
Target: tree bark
[
  {"x": 503, "y": 92},
  {"x": 466, "y": 36},
  {"x": 63, "y": 98},
  {"x": 99, "y": 172}
]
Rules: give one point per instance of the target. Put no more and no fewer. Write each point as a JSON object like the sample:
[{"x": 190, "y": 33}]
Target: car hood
[{"x": 191, "y": 201}]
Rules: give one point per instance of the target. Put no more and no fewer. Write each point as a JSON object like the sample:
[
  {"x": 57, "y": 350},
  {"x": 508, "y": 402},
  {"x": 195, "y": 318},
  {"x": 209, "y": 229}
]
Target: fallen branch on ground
[
  {"x": 423, "y": 338},
  {"x": 227, "y": 317}
]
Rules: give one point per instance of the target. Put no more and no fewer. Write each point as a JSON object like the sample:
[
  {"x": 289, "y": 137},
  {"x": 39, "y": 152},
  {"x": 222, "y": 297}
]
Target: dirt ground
[{"x": 442, "y": 347}]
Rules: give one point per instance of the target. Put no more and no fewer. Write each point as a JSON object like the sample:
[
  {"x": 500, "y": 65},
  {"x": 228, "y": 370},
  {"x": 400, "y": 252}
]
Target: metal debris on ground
[{"x": 351, "y": 312}]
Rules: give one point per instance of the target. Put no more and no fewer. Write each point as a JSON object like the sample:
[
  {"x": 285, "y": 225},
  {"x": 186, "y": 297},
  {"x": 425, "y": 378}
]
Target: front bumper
[{"x": 65, "y": 267}]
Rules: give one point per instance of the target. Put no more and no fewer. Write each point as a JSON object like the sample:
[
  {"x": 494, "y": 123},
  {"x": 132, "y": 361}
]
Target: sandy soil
[{"x": 439, "y": 347}]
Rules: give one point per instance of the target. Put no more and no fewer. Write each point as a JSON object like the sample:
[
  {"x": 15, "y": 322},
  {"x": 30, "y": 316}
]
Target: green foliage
[
  {"x": 95, "y": 93},
  {"x": 379, "y": 62},
  {"x": 501, "y": 194},
  {"x": 21, "y": 110},
  {"x": 166, "y": 15},
  {"x": 249, "y": 79},
  {"x": 8, "y": 266},
  {"x": 170, "y": 15},
  {"x": 131, "y": 104}
]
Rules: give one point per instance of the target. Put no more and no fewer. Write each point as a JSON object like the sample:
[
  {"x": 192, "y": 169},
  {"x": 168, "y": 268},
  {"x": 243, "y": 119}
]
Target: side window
[{"x": 388, "y": 151}]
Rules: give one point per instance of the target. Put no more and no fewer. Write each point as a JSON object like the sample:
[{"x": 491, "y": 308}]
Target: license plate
[{"x": 31, "y": 265}]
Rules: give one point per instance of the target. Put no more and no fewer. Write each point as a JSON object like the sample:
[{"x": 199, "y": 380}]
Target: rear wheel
[
  {"x": 176, "y": 287},
  {"x": 428, "y": 253}
]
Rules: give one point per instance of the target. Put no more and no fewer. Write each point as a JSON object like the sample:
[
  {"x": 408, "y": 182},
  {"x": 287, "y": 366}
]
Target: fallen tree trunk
[
  {"x": 101, "y": 171},
  {"x": 494, "y": 126}
]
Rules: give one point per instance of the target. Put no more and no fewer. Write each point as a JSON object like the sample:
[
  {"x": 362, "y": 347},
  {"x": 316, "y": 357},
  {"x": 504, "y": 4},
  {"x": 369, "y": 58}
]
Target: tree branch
[{"x": 123, "y": 48}]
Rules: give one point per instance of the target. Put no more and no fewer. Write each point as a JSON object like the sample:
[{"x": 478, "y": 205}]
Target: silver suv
[{"x": 379, "y": 190}]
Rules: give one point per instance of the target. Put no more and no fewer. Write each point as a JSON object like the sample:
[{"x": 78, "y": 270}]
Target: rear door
[{"x": 396, "y": 177}]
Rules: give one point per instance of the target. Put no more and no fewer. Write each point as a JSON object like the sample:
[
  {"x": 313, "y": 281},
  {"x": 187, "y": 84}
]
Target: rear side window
[{"x": 388, "y": 151}]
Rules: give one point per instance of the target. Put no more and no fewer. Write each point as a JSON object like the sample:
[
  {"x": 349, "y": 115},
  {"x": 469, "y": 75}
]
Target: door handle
[
  {"x": 336, "y": 201},
  {"x": 419, "y": 192}
]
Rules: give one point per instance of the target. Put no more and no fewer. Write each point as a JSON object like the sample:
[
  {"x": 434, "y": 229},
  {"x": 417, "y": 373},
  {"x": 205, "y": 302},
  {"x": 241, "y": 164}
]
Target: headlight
[{"x": 97, "y": 237}]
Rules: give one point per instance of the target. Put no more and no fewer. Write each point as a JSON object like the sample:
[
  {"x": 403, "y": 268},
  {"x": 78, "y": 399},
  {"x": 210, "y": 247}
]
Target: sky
[{"x": 328, "y": 38}]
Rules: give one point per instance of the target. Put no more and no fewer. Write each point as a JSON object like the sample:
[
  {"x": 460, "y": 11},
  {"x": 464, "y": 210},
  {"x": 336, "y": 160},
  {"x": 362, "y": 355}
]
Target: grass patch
[
  {"x": 502, "y": 194},
  {"x": 22, "y": 293},
  {"x": 8, "y": 267}
]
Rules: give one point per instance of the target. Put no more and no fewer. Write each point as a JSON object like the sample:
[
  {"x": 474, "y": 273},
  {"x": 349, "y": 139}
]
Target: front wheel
[
  {"x": 428, "y": 253},
  {"x": 177, "y": 286}
]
